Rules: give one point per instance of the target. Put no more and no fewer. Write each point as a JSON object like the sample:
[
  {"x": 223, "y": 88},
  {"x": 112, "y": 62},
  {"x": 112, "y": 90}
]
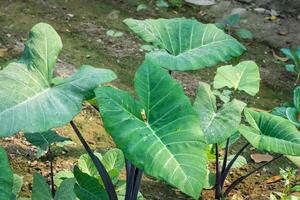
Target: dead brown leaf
[
  {"x": 258, "y": 158},
  {"x": 3, "y": 52},
  {"x": 273, "y": 179}
]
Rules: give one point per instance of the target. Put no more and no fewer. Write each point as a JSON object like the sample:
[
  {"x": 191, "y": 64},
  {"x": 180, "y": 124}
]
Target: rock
[
  {"x": 241, "y": 11},
  {"x": 298, "y": 17},
  {"x": 261, "y": 11},
  {"x": 202, "y": 2},
  {"x": 274, "y": 13}
]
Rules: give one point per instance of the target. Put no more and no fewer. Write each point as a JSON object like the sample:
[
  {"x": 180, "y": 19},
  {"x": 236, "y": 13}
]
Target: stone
[
  {"x": 261, "y": 11},
  {"x": 241, "y": 11},
  {"x": 113, "y": 15},
  {"x": 202, "y": 2},
  {"x": 298, "y": 17}
]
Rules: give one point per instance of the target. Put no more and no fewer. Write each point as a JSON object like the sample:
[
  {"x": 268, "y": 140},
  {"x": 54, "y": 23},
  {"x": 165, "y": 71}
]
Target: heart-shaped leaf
[
  {"x": 29, "y": 102},
  {"x": 244, "y": 76},
  {"x": 186, "y": 44},
  {"x": 219, "y": 125},
  {"x": 271, "y": 133},
  {"x": 6, "y": 176},
  {"x": 293, "y": 115},
  {"x": 45, "y": 139},
  {"x": 160, "y": 132}
]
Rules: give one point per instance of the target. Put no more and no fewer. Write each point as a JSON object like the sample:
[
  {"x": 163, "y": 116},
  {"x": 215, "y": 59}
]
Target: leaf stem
[
  {"x": 218, "y": 177},
  {"x": 133, "y": 181},
  {"x": 50, "y": 158},
  {"x": 109, "y": 187},
  {"x": 239, "y": 180},
  {"x": 228, "y": 167},
  {"x": 225, "y": 156}
]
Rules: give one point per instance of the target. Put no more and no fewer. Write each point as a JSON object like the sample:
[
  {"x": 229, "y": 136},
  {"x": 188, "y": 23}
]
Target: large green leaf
[
  {"x": 41, "y": 50},
  {"x": 28, "y": 101},
  {"x": 244, "y": 76},
  {"x": 219, "y": 125},
  {"x": 293, "y": 115},
  {"x": 44, "y": 139},
  {"x": 186, "y": 44},
  {"x": 160, "y": 133},
  {"x": 6, "y": 176},
  {"x": 271, "y": 133}
]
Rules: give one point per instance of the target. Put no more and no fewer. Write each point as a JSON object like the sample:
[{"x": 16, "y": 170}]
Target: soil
[{"x": 83, "y": 28}]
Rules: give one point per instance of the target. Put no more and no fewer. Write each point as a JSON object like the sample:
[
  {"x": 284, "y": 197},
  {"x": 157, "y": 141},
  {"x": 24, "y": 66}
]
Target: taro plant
[
  {"x": 231, "y": 25},
  {"x": 30, "y": 102},
  {"x": 292, "y": 112},
  {"x": 294, "y": 56},
  {"x": 185, "y": 44}
]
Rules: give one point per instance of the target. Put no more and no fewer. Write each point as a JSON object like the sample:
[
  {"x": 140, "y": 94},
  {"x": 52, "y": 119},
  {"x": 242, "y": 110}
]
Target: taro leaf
[
  {"x": 290, "y": 68},
  {"x": 288, "y": 53},
  {"x": 244, "y": 76},
  {"x": 210, "y": 180},
  {"x": 280, "y": 111},
  {"x": 232, "y": 139},
  {"x": 17, "y": 186},
  {"x": 160, "y": 133},
  {"x": 233, "y": 20},
  {"x": 296, "y": 98},
  {"x": 271, "y": 133},
  {"x": 244, "y": 33},
  {"x": 186, "y": 44},
  {"x": 113, "y": 161},
  {"x": 88, "y": 187},
  {"x": 219, "y": 125},
  {"x": 6, "y": 176},
  {"x": 40, "y": 188},
  {"x": 45, "y": 139},
  {"x": 61, "y": 176},
  {"x": 293, "y": 115},
  {"x": 66, "y": 190},
  {"x": 87, "y": 166},
  {"x": 40, "y": 53},
  {"x": 28, "y": 101}
]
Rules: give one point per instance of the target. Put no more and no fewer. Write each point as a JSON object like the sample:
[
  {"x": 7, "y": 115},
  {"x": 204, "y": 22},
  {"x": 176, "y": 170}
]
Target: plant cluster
[{"x": 158, "y": 131}]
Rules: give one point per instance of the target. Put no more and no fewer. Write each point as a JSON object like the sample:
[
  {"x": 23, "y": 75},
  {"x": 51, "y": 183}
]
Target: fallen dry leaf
[
  {"x": 258, "y": 158},
  {"x": 273, "y": 179},
  {"x": 237, "y": 197},
  {"x": 283, "y": 59},
  {"x": 3, "y": 53}
]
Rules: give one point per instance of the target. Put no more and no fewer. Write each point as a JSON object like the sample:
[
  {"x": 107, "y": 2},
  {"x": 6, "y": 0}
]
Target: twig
[{"x": 239, "y": 180}]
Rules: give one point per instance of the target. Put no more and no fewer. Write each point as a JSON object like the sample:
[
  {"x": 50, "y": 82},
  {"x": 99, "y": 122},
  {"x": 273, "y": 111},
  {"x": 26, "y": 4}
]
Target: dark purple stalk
[
  {"x": 109, "y": 187},
  {"x": 133, "y": 181},
  {"x": 218, "y": 183},
  {"x": 50, "y": 158},
  {"x": 228, "y": 167},
  {"x": 225, "y": 156},
  {"x": 239, "y": 180}
]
